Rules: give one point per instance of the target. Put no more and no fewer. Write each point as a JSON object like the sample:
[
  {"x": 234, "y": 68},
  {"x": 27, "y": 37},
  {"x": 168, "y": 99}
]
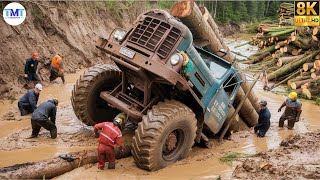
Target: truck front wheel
[
  {"x": 165, "y": 135},
  {"x": 86, "y": 101}
]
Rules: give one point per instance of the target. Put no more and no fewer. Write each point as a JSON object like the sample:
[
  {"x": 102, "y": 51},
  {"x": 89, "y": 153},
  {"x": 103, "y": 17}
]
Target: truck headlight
[
  {"x": 119, "y": 34},
  {"x": 175, "y": 59}
]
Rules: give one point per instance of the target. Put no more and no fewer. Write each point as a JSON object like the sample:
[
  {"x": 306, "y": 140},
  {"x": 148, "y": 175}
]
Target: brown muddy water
[{"x": 74, "y": 136}]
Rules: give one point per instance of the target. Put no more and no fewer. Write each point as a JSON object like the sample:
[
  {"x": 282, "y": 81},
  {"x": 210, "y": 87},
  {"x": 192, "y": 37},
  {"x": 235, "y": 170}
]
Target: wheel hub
[{"x": 171, "y": 142}]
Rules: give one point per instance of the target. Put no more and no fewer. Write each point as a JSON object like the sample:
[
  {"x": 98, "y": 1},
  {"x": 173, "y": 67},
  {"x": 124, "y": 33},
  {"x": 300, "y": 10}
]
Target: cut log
[
  {"x": 286, "y": 79},
  {"x": 315, "y": 75},
  {"x": 315, "y": 30},
  {"x": 311, "y": 92},
  {"x": 299, "y": 78},
  {"x": 316, "y": 65},
  {"x": 284, "y": 60},
  {"x": 54, "y": 167},
  {"x": 296, "y": 52},
  {"x": 307, "y": 66},
  {"x": 313, "y": 70},
  {"x": 292, "y": 66},
  {"x": 298, "y": 84},
  {"x": 305, "y": 73},
  {"x": 189, "y": 14}
]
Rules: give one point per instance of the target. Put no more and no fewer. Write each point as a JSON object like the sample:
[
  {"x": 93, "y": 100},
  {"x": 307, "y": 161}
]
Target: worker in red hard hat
[
  {"x": 110, "y": 135},
  {"x": 292, "y": 112},
  {"x": 30, "y": 68}
]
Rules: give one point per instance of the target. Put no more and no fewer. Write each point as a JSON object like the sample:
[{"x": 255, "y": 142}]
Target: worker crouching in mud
[
  {"x": 40, "y": 118},
  {"x": 28, "y": 102},
  {"x": 292, "y": 112},
  {"x": 264, "y": 120},
  {"x": 110, "y": 135}
]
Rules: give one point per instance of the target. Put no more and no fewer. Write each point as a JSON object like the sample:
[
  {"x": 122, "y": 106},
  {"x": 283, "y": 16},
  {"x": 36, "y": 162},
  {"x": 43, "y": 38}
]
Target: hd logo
[{"x": 306, "y": 13}]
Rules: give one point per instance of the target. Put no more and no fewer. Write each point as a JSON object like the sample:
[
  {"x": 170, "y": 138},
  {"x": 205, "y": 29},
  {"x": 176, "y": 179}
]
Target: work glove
[
  {"x": 279, "y": 109},
  {"x": 96, "y": 135},
  {"x": 25, "y": 75}
]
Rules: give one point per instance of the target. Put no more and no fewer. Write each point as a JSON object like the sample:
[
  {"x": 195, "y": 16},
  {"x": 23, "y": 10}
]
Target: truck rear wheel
[
  {"x": 86, "y": 101},
  {"x": 165, "y": 135}
]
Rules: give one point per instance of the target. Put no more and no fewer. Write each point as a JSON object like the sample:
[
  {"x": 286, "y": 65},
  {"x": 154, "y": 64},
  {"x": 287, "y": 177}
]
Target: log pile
[
  {"x": 293, "y": 57},
  {"x": 286, "y": 12},
  {"x": 195, "y": 17}
]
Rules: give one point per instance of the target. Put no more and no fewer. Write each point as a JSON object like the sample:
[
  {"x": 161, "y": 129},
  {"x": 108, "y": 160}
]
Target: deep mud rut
[{"x": 74, "y": 136}]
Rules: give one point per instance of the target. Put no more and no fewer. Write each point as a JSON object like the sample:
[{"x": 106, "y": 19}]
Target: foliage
[
  {"x": 229, "y": 157},
  {"x": 318, "y": 101},
  {"x": 241, "y": 11},
  {"x": 165, "y": 4}
]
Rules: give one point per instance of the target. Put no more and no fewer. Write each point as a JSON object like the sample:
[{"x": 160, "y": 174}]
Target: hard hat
[
  {"x": 293, "y": 95},
  {"x": 263, "y": 102},
  {"x": 55, "y": 101},
  {"x": 39, "y": 86},
  {"x": 35, "y": 55},
  {"x": 117, "y": 121}
]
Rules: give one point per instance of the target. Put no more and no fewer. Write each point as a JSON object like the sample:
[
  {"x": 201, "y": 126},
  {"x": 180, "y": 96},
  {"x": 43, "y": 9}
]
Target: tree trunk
[
  {"x": 292, "y": 66},
  {"x": 311, "y": 92},
  {"x": 57, "y": 166},
  {"x": 189, "y": 13},
  {"x": 307, "y": 66},
  {"x": 298, "y": 84},
  {"x": 299, "y": 78},
  {"x": 284, "y": 60}
]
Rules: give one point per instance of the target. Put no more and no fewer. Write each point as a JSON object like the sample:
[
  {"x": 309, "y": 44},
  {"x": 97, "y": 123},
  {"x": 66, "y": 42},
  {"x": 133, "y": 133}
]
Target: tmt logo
[
  {"x": 14, "y": 14},
  {"x": 306, "y": 13}
]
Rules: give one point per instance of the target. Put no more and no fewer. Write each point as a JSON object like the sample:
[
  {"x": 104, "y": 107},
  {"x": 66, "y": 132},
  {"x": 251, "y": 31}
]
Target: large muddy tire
[
  {"x": 86, "y": 101},
  {"x": 165, "y": 135}
]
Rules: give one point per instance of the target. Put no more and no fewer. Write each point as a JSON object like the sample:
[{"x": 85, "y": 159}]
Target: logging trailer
[{"x": 146, "y": 82}]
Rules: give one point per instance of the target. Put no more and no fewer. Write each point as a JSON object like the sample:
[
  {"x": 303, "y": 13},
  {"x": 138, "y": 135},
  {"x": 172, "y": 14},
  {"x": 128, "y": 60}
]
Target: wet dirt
[{"x": 74, "y": 136}]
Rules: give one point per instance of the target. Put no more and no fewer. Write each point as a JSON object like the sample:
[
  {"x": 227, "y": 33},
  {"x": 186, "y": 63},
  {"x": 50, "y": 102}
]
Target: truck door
[{"x": 218, "y": 108}]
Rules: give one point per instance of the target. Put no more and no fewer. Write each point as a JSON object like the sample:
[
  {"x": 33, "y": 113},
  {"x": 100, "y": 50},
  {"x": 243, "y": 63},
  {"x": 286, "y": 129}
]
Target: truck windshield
[{"x": 218, "y": 67}]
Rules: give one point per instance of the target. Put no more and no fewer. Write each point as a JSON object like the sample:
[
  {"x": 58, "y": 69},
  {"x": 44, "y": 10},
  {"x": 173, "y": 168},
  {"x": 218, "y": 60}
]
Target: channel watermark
[{"x": 14, "y": 14}]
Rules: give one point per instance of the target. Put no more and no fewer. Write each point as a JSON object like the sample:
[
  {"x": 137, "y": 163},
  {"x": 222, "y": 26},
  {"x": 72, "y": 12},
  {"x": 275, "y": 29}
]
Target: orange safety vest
[{"x": 56, "y": 62}]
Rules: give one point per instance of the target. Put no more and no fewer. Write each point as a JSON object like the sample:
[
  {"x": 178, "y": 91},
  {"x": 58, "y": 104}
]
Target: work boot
[
  {"x": 32, "y": 136},
  {"x": 111, "y": 165},
  {"x": 53, "y": 133}
]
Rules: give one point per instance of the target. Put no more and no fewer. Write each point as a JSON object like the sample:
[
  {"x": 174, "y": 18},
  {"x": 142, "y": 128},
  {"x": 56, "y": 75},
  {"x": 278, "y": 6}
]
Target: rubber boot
[
  {"x": 53, "y": 133},
  {"x": 111, "y": 165}
]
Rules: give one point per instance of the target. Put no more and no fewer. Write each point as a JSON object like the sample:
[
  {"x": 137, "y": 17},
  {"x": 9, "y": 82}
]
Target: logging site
[{"x": 185, "y": 89}]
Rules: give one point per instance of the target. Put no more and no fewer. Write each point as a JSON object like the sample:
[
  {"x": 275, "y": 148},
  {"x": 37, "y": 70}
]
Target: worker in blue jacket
[
  {"x": 30, "y": 68},
  {"x": 264, "y": 120},
  {"x": 45, "y": 116},
  {"x": 28, "y": 102}
]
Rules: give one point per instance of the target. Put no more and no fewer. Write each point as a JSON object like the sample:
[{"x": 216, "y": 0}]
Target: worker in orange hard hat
[
  {"x": 57, "y": 68},
  {"x": 30, "y": 68},
  {"x": 292, "y": 112}
]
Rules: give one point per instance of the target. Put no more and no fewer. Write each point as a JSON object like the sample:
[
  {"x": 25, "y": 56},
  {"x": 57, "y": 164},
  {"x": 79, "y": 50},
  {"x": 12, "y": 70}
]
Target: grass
[{"x": 229, "y": 157}]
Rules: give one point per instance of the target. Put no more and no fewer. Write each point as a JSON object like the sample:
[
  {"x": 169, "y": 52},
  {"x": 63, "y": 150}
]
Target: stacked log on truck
[
  {"x": 289, "y": 54},
  {"x": 203, "y": 28}
]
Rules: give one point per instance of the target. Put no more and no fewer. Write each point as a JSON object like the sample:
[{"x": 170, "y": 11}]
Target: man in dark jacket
[
  {"x": 264, "y": 120},
  {"x": 40, "y": 118},
  {"x": 30, "y": 69},
  {"x": 28, "y": 102}
]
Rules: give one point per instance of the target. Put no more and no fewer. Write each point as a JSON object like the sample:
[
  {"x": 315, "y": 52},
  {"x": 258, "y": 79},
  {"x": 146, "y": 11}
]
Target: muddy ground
[
  {"x": 297, "y": 157},
  {"x": 74, "y": 136}
]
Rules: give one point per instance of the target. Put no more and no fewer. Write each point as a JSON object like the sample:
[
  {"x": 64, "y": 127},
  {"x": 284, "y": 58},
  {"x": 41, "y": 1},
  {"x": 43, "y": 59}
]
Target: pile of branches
[{"x": 289, "y": 55}]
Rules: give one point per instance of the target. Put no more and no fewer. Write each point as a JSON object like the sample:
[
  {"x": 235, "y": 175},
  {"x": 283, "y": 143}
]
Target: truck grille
[{"x": 152, "y": 32}]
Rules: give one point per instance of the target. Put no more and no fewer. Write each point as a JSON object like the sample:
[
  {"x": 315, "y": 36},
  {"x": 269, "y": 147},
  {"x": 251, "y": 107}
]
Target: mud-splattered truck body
[{"x": 150, "y": 86}]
